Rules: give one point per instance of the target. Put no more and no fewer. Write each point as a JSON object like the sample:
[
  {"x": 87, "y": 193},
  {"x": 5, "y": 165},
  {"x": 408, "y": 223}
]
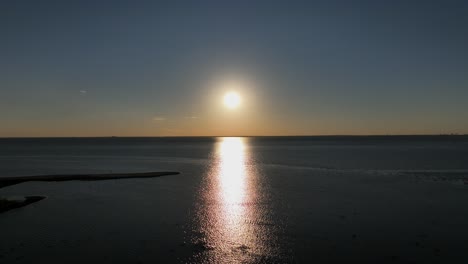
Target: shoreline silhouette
[
  {"x": 9, "y": 204},
  {"x": 7, "y": 181}
]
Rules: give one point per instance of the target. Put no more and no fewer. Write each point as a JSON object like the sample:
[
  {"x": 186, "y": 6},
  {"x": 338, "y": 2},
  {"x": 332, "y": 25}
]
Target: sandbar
[
  {"x": 7, "y": 181},
  {"x": 8, "y": 204}
]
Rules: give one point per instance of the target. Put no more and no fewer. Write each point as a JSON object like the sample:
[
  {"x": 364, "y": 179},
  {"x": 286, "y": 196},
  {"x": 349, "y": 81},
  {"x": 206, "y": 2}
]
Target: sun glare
[{"x": 231, "y": 100}]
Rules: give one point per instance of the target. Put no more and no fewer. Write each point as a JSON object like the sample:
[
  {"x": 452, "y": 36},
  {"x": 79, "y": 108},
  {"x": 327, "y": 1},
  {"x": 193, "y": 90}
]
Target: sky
[{"x": 161, "y": 68}]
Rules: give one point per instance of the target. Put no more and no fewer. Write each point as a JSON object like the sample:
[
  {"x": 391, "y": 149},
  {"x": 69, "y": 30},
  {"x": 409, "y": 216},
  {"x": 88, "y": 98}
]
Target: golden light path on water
[
  {"x": 232, "y": 228},
  {"x": 232, "y": 173}
]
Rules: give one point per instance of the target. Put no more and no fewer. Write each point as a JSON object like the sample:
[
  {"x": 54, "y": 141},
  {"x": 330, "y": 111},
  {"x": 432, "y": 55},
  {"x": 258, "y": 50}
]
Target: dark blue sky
[{"x": 98, "y": 68}]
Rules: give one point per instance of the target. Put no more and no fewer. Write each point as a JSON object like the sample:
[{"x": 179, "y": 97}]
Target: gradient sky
[{"x": 160, "y": 68}]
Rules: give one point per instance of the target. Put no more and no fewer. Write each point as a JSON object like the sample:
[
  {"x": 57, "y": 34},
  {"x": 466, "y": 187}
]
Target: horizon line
[{"x": 210, "y": 136}]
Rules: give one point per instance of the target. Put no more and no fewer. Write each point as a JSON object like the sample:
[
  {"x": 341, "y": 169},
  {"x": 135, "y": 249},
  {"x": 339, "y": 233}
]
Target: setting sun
[{"x": 231, "y": 100}]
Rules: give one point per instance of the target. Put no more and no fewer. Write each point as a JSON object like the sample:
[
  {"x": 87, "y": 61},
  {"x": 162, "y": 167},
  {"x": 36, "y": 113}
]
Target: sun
[{"x": 232, "y": 100}]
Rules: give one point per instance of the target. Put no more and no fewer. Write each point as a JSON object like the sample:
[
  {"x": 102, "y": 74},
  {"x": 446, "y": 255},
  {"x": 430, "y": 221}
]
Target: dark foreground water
[{"x": 240, "y": 200}]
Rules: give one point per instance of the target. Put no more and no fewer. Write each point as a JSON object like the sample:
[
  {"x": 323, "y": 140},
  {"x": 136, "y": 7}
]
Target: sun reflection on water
[
  {"x": 229, "y": 214},
  {"x": 232, "y": 172}
]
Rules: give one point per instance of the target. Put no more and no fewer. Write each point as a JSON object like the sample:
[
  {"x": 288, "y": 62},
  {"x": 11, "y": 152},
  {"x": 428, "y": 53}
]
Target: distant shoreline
[
  {"x": 7, "y": 181},
  {"x": 257, "y": 136}
]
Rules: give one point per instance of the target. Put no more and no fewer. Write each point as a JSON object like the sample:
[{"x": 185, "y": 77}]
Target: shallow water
[{"x": 240, "y": 200}]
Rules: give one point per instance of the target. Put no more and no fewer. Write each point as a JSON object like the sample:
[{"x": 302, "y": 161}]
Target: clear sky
[{"x": 161, "y": 68}]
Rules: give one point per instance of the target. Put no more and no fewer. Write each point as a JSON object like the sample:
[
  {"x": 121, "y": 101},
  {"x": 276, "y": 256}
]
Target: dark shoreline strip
[
  {"x": 6, "y": 205},
  {"x": 7, "y": 181}
]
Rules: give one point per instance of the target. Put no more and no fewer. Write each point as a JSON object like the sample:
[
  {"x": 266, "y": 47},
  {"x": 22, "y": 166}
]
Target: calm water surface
[{"x": 240, "y": 200}]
